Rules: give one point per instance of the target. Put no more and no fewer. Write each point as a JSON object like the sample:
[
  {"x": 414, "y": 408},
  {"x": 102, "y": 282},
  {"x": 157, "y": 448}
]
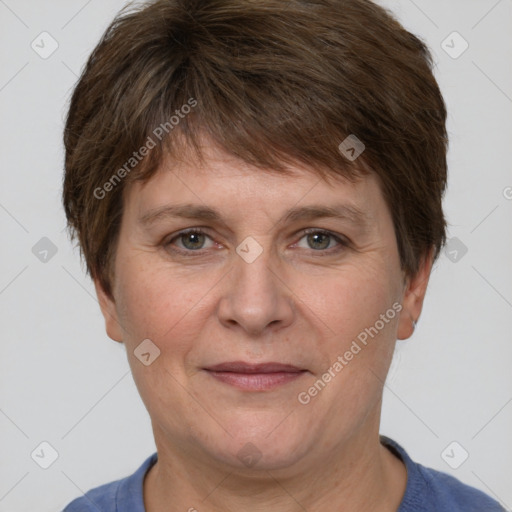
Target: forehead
[{"x": 222, "y": 182}]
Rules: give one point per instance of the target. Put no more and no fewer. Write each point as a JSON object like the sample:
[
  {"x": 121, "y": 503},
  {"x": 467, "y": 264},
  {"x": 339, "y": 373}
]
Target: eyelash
[{"x": 342, "y": 243}]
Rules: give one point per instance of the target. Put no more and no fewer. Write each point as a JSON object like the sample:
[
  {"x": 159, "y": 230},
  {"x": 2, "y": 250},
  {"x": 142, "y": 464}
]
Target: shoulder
[
  {"x": 453, "y": 495},
  {"x": 124, "y": 495},
  {"x": 100, "y": 498},
  {"x": 430, "y": 490}
]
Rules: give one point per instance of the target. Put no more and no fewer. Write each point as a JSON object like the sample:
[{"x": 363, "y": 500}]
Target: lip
[
  {"x": 243, "y": 367},
  {"x": 255, "y": 377}
]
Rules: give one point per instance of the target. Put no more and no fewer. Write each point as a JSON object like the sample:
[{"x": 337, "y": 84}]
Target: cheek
[
  {"x": 359, "y": 311},
  {"x": 159, "y": 303},
  {"x": 167, "y": 307},
  {"x": 350, "y": 299}
]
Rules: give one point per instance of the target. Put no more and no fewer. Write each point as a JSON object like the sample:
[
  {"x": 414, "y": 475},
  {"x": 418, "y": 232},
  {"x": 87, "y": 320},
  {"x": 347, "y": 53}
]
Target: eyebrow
[{"x": 346, "y": 212}]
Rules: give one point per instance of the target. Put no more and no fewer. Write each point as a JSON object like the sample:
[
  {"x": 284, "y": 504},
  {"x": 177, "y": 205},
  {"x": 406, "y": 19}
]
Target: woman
[{"x": 257, "y": 188}]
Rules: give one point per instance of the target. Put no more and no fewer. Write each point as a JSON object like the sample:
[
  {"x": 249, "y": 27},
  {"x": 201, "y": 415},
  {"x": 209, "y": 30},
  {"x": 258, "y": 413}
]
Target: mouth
[{"x": 255, "y": 377}]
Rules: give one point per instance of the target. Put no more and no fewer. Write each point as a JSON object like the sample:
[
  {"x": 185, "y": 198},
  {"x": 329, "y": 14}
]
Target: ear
[
  {"x": 109, "y": 310},
  {"x": 412, "y": 303}
]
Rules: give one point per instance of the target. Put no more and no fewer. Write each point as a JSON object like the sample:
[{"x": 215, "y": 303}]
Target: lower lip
[{"x": 256, "y": 381}]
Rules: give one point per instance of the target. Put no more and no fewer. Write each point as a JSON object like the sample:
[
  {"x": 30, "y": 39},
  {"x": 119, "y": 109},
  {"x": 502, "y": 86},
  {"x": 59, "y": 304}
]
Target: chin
[{"x": 265, "y": 443}]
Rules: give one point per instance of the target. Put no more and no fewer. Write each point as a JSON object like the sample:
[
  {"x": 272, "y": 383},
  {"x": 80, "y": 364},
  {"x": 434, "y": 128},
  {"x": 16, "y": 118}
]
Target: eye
[
  {"x": 191, "y": 240},
  {"x": 320, "y": 240},
  {"x": 195, "y": 240}
]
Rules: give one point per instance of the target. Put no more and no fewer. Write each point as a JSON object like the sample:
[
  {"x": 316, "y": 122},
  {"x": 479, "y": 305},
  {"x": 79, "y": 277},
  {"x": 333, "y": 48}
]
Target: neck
[{"x": 358, "y": 474}]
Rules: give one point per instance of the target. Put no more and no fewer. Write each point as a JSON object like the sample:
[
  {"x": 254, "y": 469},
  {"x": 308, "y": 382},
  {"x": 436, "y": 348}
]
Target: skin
[{"x": 302, "y": 301}]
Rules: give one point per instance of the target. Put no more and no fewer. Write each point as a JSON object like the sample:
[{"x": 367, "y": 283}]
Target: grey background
[{"x": 63, "y": 381}]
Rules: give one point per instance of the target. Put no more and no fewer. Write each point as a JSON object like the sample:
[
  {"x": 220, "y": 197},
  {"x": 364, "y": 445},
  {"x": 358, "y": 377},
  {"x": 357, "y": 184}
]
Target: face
[{"x": 272, "y": 302}]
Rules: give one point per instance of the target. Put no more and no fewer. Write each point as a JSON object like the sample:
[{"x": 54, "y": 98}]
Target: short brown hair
[{"x": 274, "y": 82}]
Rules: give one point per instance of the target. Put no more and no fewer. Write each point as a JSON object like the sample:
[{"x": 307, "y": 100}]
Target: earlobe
[
  {"x": 109, "y": 311},
  {"x": 414, "y": 294}
]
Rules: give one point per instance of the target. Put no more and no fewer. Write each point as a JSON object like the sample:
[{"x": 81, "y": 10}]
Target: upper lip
[{"x": 243, "y": 367}]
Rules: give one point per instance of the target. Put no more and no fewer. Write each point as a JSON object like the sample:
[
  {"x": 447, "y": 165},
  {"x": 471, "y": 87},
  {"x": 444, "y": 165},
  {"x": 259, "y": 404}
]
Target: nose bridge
[
  {"x": 255, "y": 277},
  {"x": 255, "y": 297}
]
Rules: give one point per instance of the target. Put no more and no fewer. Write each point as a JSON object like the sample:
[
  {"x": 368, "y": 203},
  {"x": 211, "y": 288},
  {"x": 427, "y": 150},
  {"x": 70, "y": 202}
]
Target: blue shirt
[{"x": 427, "y": 490}]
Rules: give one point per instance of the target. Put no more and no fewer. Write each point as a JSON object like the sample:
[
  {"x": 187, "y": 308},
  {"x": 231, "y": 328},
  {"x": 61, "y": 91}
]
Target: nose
[{"x": 255, "y": 297}]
